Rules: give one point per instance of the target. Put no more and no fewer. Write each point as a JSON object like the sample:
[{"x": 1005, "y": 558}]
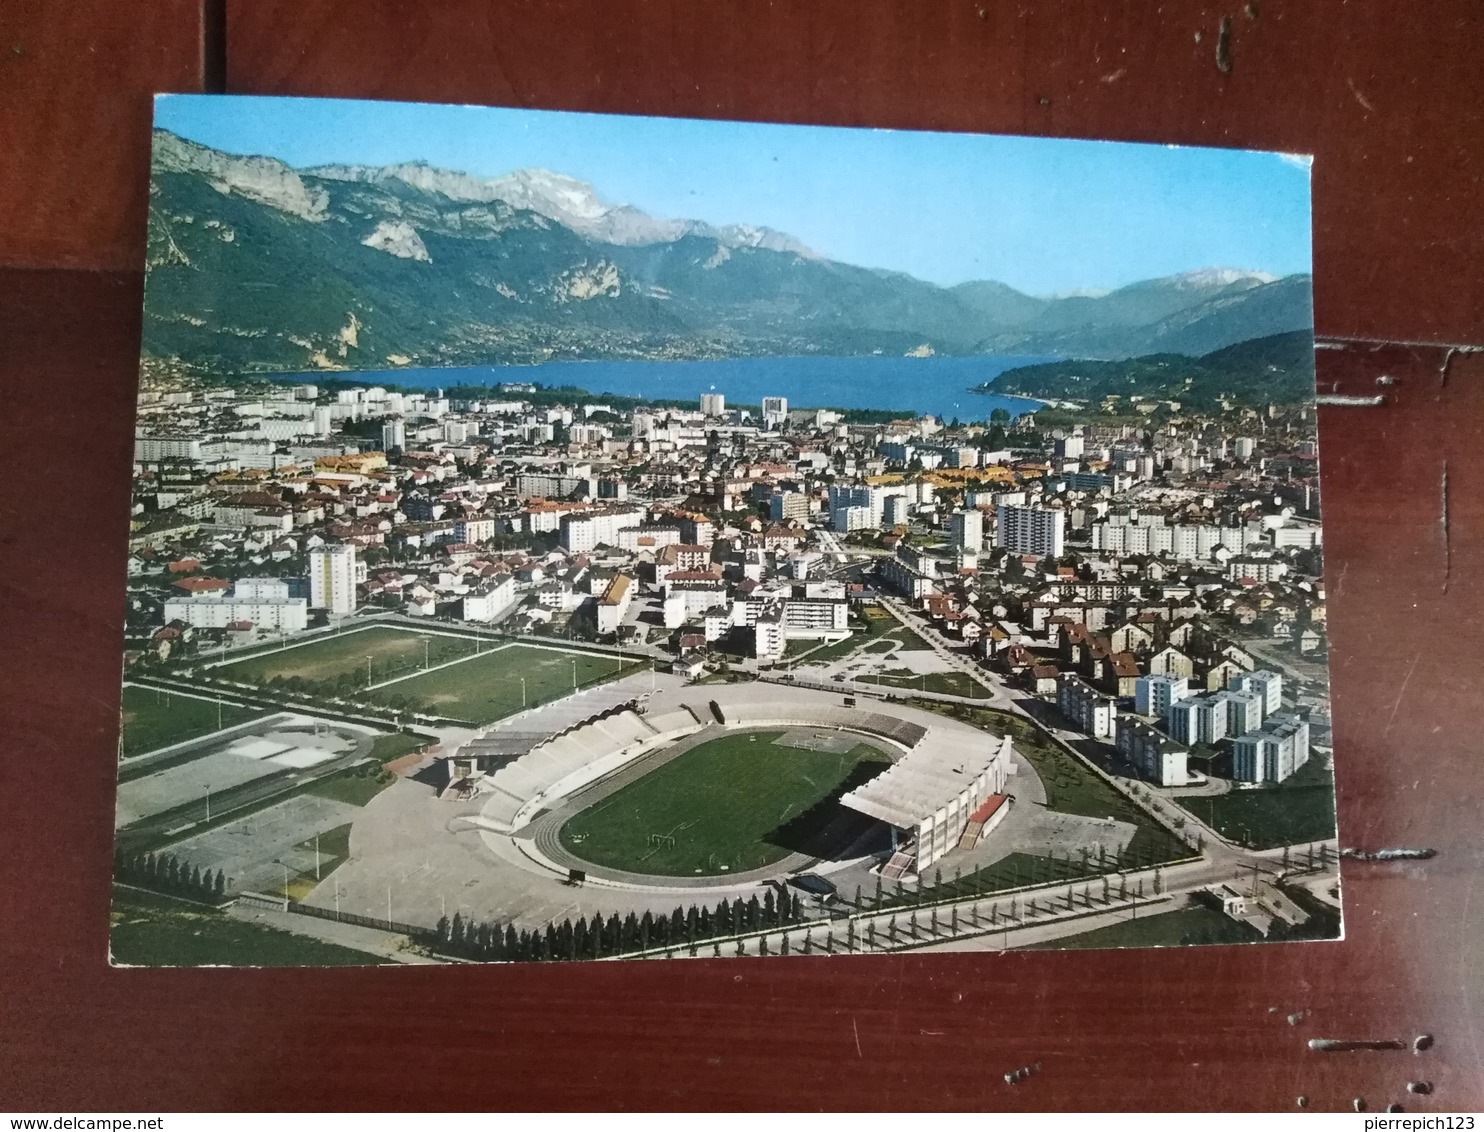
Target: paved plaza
[{"x": 253, "y": 850}]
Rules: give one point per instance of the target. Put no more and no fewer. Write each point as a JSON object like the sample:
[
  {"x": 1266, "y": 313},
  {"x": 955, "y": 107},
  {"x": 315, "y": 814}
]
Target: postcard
[{"x": 577, "y": 537}]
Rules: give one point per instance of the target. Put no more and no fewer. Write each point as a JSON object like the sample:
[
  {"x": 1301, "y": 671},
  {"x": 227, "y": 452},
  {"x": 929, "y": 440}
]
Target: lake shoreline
[{"x": 940, "y": 386}]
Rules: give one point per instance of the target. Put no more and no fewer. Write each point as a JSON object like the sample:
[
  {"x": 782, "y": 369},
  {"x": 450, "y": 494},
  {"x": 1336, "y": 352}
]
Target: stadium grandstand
[
  {"x": 931, "y": 793},
  {"x": 549, "y": 751},
  {"x": 943, "y": 775}
]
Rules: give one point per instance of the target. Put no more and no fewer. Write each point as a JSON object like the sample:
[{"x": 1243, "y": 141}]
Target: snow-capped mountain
[
  {"x": 570, "y": 202},
  {"x": 255, "y": 265}
]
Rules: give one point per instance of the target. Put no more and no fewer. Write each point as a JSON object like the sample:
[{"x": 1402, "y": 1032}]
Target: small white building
[{"x": 615, "y": 603}]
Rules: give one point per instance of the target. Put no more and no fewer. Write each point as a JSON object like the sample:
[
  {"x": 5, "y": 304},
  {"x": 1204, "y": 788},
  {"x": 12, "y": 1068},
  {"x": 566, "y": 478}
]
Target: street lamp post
[
  {"x": 522, "y": 693},
  {"x": 368, "y": 670},
  {"x": 574, "y": 675}
]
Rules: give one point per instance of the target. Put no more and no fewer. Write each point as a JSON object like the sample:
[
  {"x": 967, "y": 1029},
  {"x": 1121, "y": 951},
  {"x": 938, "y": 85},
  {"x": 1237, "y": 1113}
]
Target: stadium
[{"x": 646, "y": 784}]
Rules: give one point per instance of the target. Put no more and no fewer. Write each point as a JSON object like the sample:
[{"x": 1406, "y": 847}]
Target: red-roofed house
[{"x": 203, "y": 585}]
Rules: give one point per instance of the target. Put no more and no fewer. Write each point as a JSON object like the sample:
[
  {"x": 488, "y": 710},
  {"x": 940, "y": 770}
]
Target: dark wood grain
[
  {"x": 76, "y": 81},
  {"x": 1391, "y": 107}
]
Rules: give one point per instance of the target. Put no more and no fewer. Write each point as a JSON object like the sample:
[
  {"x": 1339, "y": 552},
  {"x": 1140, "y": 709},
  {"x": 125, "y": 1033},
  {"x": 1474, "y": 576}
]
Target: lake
[{"x": 939, "y": 385}]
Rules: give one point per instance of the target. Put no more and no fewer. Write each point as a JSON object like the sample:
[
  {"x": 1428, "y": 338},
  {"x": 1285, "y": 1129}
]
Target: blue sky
[{"x": 1043, "y": 215}]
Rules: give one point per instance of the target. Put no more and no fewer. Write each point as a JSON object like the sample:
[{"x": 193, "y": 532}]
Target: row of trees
[
  {"x": 1019, "y": 870},
  {"x": 166, "y": 873},
  {"x": 615, "y": 935}
]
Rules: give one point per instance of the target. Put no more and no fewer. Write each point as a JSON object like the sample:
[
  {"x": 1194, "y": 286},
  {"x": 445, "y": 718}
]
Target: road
[{"x": 1001, "y": 920}]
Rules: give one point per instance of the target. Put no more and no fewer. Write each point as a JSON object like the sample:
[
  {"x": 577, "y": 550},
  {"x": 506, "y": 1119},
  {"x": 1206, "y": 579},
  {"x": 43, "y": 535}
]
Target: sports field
[
  {"x": 1295, "y": 812},
  {"x": 488, "y": 687},
  {"x": 154, "y": 718},
  {"x": 948, "y": 683},
  {"x": 732, "y": 804},
  {"x": 344, "y": 656}
]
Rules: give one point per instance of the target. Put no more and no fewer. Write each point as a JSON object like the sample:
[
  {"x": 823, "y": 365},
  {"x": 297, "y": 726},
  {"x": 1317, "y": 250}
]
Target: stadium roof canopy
[
  {"x": 526, "y": 730},
  {"x": 930, "y": 776}
]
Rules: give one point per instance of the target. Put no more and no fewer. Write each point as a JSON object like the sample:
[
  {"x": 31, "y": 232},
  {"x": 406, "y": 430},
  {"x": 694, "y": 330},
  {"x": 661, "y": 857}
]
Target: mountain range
[
  {"x": 255, "y": 266},
  {"x": 1274, "y": 370}
]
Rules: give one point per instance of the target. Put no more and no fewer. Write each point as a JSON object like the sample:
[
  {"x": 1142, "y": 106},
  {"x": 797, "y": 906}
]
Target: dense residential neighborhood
[{"x": 1157, "y": 579}]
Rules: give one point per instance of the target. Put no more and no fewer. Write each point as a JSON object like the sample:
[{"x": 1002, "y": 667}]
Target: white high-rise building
[
  {"x": 775, "y": 411},
  {"x": 1267, "y": 684},
  {"x": 967, "y": 529},
  {"x": 713, "y": 405},
  {"x": 1030, "y": 530},
  {"x": 1199, "y": 720},
  {"x": 332, "y": 578},
  {"x": 1093, "y": 712},
  {"x": 393, "y": 435},
  {"x": 857, "y": 506},
  {"x": 1243, "y": 711},
  {"x": 1070, "y": 448},
  {"x": 1153, "y": 695},
  {"x": 1158, "y": 757},
  {"x": 584, "y": 532},
  {"x": 1273, "y": 753},
  {"x": 1243, "y": 447}
]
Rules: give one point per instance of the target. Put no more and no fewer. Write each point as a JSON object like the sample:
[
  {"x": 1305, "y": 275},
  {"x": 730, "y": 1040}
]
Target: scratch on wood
[
  {"x": 1402, "y": 691},
  {"x": 1388, "y": 854},
  {"x": 1019, "y": 1075},
  {"x": 1342, "y": 1045},
  {"x": 1448, "y": 361},
  {"x": 1224, "y": 46},
  {"x": 1350, "y": 400},
  {"x": 1360, "y": 98},
  {"x": 1447, "y": 535},
  {"x": 857, "y": 1030}
]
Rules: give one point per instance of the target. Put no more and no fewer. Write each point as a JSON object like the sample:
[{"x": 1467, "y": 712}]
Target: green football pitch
[
  {"x": 735, "y": 803},
  {"x": 154, "y": 717},
  {"x": 386, "y": 650},
  {"x": 488, "y": 687}
]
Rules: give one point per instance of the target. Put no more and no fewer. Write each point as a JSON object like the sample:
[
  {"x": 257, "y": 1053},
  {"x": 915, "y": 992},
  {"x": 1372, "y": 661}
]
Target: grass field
[
  {"x": 155, "y": 931},
  {"x": 946, "y": 683},
  {"x": 154, "y": 718},
  {"x": 331, "y": 658},
  {"x": 1186, "y": 926},
  {"x": 389, "y": 748},
  {"x": 875, "y": 631},
  {"x": 488, "y": 687},
  {"x": 735, "y": 803},
  {"x": 355, "y": 786},
  {"x": 1294, "y": 812}
]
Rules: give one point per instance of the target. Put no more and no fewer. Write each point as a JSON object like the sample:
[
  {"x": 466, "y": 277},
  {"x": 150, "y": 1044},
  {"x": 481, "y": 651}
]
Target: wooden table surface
[{"x": 1390, "y": 99}]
